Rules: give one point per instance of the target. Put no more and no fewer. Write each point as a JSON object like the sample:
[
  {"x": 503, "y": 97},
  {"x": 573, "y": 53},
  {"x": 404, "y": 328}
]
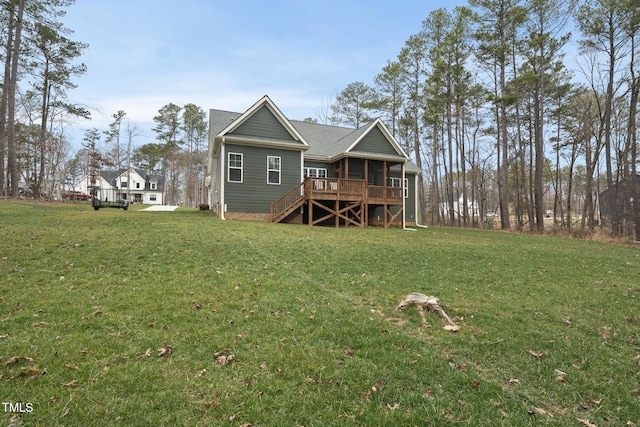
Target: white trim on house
[
  {"x": 380, "y": 124},
  {"x": 229, "y": 167},
  {"x": 265, "y": 100},
  {"x": 270, "y": 170},
  {"x": 307, "y": 172}
]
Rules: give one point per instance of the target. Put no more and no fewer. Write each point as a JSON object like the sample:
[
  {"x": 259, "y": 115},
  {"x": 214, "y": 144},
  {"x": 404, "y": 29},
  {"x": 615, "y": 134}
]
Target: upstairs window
[
  {"x": 235, "y": 167},
  {"x": 273, "y": 170}
]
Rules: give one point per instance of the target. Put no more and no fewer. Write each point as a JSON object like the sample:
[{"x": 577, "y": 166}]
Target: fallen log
[{"x": 428, "y": 303}]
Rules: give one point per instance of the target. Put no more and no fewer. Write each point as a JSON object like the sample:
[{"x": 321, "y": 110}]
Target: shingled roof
[{"x": 326, "y": 142}]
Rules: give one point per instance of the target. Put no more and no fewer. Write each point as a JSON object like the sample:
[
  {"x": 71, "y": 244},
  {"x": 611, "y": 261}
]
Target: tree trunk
[
  {"x": 615, "y": 215},
  {"x": 503, "y": 180},
  {"x": 633, "y": 139},
  {"x": 12, "y": 161},
  {"x": 3, "y": 102}
]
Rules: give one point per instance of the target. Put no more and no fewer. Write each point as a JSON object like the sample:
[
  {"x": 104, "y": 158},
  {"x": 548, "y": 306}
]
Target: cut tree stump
[{"x": 428, "y": 303}]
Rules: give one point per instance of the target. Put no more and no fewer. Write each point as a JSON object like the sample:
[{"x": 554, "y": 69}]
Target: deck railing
[
  {"x": 287, "y": 201},
  {"x": 379, "y": 192},
  {"x": 335, "y": 187},
  {"x": 331, "y": 189}
]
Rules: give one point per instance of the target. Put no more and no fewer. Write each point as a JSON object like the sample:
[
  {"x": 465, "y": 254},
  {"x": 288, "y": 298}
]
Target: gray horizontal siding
[
  {"x": 263, "y": 124},
  {"x": 375, "y": 142},
  {"x": 320, "y": 165},
  {"x": 254, "y": 194}
]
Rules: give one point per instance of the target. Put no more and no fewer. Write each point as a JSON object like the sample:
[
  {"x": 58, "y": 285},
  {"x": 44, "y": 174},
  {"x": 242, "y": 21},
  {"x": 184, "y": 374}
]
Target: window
[
  {"x": 395, "y": 182},
  {"x": 137, "y": 185},
  {"x": 153, "y": 186},
  {"x": 123, "y": 184},
  {"x": 315, "y": 172},
  {"x": 152, "y": 197},
  {"x": 235, "y": 167},
  {"x": 273, "y": 170}
]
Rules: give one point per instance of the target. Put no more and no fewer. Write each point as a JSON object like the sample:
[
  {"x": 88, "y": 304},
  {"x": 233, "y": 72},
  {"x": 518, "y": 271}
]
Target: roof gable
[
  {"x": 126, "y": 173},
  {"x": 375, "y": 138},
  {"x": 376, "y": 142},
  {"x": 264, "y": 121}
]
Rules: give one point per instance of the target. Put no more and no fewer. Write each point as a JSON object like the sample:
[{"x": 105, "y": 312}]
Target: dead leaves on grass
[
  {"x": 535, "y": 354},
  {"x": 535, "y": 410},
  {"x": 164, "y": 351},
  {"x": 586, "y": 422},
  {"x": 222, "y": 359},
  {"x": 70, "y": 384},
  {"x": 145, "y": 355},
  {"x": 16, "y": 359},
  {"x": 29, "y": 371}
]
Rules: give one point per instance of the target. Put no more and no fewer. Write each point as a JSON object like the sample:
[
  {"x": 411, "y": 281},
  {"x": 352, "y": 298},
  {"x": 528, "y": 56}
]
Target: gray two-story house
[{"x": 263, "y": 166}]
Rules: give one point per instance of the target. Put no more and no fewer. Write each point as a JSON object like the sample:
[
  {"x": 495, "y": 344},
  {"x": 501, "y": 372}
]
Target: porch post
[
  {"x": 384, "y": 177},
  {"x": 366, "y": 171}
]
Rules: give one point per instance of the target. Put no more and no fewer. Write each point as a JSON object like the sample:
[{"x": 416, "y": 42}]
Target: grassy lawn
[{"x": 178, "y": 318}]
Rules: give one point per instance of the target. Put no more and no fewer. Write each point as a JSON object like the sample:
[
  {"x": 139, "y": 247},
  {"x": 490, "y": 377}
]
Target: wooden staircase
[{"x": 288, "y": 203}]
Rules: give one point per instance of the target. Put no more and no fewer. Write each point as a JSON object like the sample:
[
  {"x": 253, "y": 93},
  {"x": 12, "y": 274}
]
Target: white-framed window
[
  {"x": 273, "y": 169},
  {"x": 153, "y": 186},
  {"x": 152, "y": 197},
  {"x": 395, "y": 182},
  {"x": 315, "y": 172},
  {"x": 235, "y": 162}
]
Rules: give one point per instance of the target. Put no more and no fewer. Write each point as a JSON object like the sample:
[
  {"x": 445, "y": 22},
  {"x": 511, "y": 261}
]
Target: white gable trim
[
  {"x": 385, "y": 131},
  {"x": 265, "y": 101}
]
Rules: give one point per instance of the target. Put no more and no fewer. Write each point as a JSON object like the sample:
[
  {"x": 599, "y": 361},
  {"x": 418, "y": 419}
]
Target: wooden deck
[{"x": 345, "y": 201}]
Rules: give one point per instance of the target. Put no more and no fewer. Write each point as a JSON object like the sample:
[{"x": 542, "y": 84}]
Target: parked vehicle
[{"x": 75, "y": 195}]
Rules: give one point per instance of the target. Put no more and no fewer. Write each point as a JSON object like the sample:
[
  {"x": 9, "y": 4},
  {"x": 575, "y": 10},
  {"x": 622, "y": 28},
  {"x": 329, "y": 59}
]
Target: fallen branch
[{"x": 428, "y": 303}]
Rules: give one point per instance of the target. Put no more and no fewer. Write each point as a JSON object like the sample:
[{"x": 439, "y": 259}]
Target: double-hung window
[
  {"x": 235, "y": 167},
  {"x": 273, "y": 170}
]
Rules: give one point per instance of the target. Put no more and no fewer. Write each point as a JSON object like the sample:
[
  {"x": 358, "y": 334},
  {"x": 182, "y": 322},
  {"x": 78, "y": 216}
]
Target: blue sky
[{"x": 226, "y": 54}]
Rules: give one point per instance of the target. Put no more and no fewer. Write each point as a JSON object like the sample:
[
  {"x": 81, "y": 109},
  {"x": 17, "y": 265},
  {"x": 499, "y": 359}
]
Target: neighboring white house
[
  {"x": 458, "y": 208},
  {"x": 134, "y": 185}
]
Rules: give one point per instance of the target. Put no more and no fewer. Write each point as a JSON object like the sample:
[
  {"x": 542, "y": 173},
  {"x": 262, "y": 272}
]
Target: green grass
[{"x": 307, "y": 314}]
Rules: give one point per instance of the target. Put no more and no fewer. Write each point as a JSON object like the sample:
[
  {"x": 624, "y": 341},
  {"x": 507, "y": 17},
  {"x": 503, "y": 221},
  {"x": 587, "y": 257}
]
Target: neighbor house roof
[{"x": 111, "y": 175}]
